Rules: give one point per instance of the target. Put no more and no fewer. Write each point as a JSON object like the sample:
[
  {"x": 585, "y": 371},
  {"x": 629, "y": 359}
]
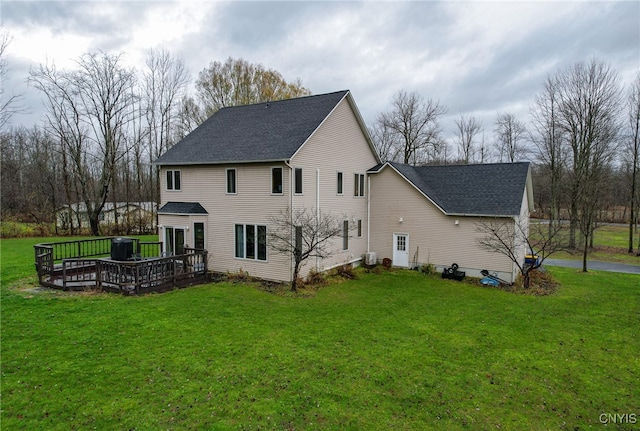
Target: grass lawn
[
  {"x": 398, "y": 350},
  {"x": 611, "y": 244}
]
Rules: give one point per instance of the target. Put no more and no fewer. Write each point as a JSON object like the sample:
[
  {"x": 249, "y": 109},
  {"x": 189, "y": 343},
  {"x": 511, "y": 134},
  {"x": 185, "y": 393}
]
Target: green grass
[
  {"x": 611, "y": 244},
  {"x": 397, "y": 350}
]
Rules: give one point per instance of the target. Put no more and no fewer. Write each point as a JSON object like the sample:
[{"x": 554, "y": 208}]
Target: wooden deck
[{"x": 86, "y": 265}]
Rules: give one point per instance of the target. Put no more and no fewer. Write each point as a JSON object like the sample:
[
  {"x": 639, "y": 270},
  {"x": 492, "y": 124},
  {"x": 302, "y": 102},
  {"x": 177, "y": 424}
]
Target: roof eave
[
  {"x": 481, "y": 215},
  {"x": 230, "y": 162},
  {"x": 183, "y": 214}
]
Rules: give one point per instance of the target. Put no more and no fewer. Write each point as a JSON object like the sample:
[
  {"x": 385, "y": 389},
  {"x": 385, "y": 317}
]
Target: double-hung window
[
  {"x": 358, "y": 189},
  {"x": 173, "y": 180},
  {"x": 345, "y": 235},
  {"x": 297, "y": 180},
  {"x": 251, "y": 241},
  {"x": 276, "y": 181},
  {"x": 231, "y": 181}
]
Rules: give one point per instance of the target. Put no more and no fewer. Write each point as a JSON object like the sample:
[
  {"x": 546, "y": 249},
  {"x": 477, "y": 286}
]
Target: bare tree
[
  {"x": 546, "y": 133},
  {"x": 30, "y": 167},
  {"x": 413, "y": 126},
  {"x": 384, "y": 142},
  {"x": 589, "y": 105},
  {"x": 633, "y": 145},
  {"x": 510, "y": 134},
  {"x": 164, "y": 82},
  {"x": 467, "y": 128},
  {"x": 88, "y": 110},
  {"x": 302, "y": 233},
  {"x": 483, "y": 150},
  {"x": 238, "y": 82},
  {"x": 514, "y": 237},
  {"x": 8, "y": 105}
]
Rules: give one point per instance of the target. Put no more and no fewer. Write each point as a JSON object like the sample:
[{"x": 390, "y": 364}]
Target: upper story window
[
  {"x": 173, "y": 180},
  {"x": 358, "y": 185},
  {"x": 276, "y": 181},
  {"x": 339, "y": 183},
  {"x": 297, "y": 177},
  {"x": 231, "y": 181}
]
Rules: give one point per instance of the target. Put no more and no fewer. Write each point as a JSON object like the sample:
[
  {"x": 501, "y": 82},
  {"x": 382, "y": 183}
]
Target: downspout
[
  {"x": 286, "y": 162},
  {"x": 317, "y": 212},
  {"x": 368, "y": 213}
]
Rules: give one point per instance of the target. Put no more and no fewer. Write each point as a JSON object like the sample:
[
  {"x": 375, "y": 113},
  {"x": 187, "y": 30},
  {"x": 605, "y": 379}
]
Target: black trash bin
[{"x": 121, "y": 248}]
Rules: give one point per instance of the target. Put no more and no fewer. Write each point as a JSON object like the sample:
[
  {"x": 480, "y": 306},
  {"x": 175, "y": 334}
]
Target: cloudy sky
[{"x": 477, "y": 58}]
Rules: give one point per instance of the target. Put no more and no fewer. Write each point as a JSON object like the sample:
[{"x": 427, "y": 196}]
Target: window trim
[
  {"x": 345, "y": 235},
  {"x": 235, "y": 181},
  {"x": 257, "y": 251},
  {"x": 358, "y": 185},
  {"x": 171, "y": 173},
  {"x": 281, "y": 192},
  {"x": 169, "y": 239},
  {"x": 339, "y": 183},
  {"x": 295, "y": 181},
  {"x": 204, "y": 231}
]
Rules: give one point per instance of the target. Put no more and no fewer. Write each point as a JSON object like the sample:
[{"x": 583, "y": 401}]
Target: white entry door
[{"x": 401, "y": 249}]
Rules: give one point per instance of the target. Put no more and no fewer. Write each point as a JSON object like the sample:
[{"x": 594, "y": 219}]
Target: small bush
[
  {"x": 378, "y": 269},
  {"x": 316, "y": 278},
  {"x": 241, "y": 276},
  {"x": 428, "y": 269},
  {"x": 346, "y": 271},
  {"x": 15, "y": 229}
]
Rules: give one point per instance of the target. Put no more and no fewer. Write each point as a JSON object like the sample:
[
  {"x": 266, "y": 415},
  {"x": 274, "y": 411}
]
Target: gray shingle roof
[
  {"x": 488, "y": 189},
  {"x": 182, "y": 208},
  {"x": 253, "y": 133}
]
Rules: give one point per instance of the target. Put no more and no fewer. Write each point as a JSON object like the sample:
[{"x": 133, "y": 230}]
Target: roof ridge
[{"x": 269, "y": 102}]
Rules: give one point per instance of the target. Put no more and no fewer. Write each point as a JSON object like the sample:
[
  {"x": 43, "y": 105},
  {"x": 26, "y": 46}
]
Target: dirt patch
[{"x": 541, "y": 284}]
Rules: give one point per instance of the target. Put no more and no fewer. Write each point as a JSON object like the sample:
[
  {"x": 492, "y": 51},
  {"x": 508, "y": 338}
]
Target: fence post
[
  {"x": 98, "y": 274},
  {"x": 64, "y": 275}
]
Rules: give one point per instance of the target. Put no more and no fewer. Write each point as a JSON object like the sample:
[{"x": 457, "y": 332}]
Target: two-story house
[{"x": 225, "y": 182}]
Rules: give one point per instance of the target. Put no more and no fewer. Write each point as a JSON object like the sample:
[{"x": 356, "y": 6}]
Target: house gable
[{"x": 262, "y": 132}]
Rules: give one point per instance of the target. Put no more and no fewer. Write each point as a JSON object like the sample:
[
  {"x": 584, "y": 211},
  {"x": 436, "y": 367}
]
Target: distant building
[{"x": 131, "y": 217}]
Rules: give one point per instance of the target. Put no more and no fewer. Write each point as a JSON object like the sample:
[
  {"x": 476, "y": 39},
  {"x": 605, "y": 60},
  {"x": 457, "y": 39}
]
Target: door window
[{"x": 198, "y": 235}]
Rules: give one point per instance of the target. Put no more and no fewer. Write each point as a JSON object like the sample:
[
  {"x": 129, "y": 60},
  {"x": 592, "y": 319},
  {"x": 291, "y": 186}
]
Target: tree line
[{"x": 105, "y": 123}]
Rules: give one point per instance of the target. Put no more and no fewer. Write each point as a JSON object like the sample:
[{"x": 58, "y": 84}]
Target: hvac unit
[
  {"x": 370, "y": 258},
  {"x": 121, "y": 248}
]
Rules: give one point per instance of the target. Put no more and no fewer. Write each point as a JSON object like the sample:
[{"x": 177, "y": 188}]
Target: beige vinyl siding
[
  {"x": 253, "y": 204},
  {"x": 524, "y": 217},
  {"x": 433, "y": 236},
  {"x": 338, "y": 145}
]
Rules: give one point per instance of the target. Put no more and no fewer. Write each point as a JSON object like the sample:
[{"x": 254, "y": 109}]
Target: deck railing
[
  {"x": 83, "y": 264},
  {"x": 151, "y": 274}
]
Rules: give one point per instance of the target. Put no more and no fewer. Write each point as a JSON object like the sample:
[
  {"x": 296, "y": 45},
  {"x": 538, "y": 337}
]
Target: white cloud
[{"x": 475, "y": 57}]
